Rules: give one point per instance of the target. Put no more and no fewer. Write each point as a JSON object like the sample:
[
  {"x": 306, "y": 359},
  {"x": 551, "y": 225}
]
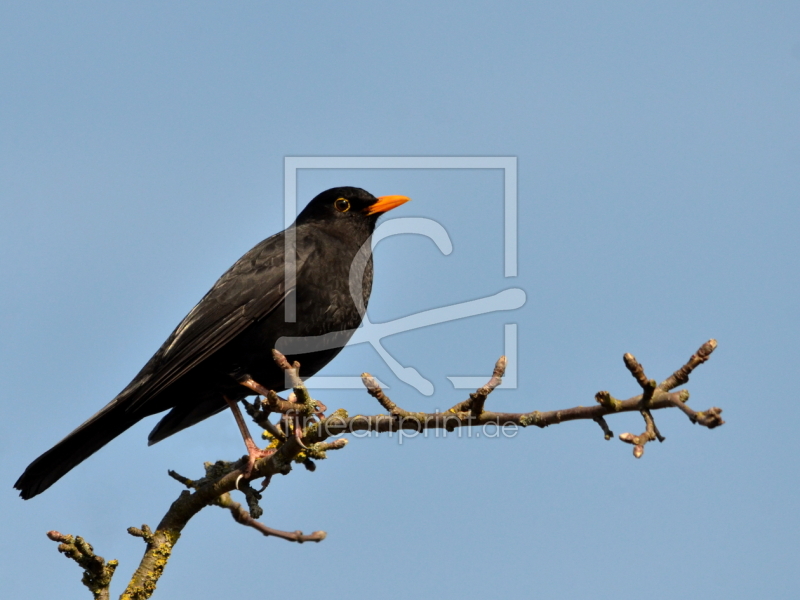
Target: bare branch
[
  {"x": 97, "y": 573},
  {"x": 240, "y": 515},
  {"x": 273, "y": 402},
  {"x": 376, "y": 392},
  {"x": 474, "y": 404},
  {"x": 607, "y": 433},
  {"x": 681, "y": 376},
  {"x": 650, "y": 433},
  {"x": 304, "y": 436}
]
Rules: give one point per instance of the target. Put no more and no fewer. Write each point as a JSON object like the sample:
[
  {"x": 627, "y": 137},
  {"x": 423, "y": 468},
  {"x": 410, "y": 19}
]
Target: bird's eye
[{"x": 342, "y": 205}]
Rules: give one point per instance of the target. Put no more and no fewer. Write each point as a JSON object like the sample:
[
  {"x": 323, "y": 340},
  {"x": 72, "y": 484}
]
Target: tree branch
[
  {"x": 308, "y": 442},
  {"x": 470, "y": 412},
  {"x": 97, "y": 573},
  {"x": 240, "y": 515}
]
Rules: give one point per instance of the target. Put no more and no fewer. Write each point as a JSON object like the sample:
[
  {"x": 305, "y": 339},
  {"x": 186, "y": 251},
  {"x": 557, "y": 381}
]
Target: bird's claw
[
  {"x": 265, "y": 483},
  {"x": 253, "y": 454}
]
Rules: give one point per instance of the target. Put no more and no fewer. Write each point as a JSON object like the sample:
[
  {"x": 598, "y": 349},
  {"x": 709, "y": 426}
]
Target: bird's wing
[{"x": 252, "y": 288}]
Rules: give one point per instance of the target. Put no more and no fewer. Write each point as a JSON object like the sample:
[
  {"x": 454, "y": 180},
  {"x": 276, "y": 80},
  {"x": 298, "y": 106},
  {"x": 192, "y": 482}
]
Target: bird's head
[{"x": 348, "y": 208}]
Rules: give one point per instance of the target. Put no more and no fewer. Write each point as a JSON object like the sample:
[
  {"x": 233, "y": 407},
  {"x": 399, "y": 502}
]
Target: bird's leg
[
  {"x": 253, "y": 451},
  {"x": 295, "y": 420}
]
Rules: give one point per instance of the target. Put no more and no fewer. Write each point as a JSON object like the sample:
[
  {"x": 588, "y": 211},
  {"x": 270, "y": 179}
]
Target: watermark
[
  {"x": 412, "y": 425},
  {"x": 371, "y": 333},
  {"x": 410, "y": 428}
]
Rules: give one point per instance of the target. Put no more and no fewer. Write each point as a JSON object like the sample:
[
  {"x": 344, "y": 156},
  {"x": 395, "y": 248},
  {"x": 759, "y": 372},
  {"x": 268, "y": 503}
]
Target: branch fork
[{"x": 661, "y": 392}]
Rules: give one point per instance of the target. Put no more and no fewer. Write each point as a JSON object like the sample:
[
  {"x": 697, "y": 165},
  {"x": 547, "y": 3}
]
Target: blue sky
[{"x": 142, "y": 151}]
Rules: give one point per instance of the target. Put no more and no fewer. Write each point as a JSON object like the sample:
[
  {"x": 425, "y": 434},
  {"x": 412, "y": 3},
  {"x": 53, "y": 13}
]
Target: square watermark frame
[{"x": 508, "y": 164}]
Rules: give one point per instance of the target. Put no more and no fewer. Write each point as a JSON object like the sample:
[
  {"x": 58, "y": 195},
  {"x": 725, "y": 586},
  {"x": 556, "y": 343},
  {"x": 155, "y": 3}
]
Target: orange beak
[{"x": 385, "y": 204}]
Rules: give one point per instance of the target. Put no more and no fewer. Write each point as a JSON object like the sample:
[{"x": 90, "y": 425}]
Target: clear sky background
[{"x": 658, "y": 145}]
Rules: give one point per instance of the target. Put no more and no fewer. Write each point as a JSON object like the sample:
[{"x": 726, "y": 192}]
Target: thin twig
[
  {"x": 607, "y": 433},
  {"x": 681, "y": 376},
  {"x": 474, "y": 404},
  {"x": 240, "y": 515}
]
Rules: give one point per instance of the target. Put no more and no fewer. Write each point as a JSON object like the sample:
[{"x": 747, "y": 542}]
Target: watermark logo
[{"x": 371, "y": 333}]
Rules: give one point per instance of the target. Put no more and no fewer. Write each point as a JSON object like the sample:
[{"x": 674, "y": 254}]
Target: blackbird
[{"x": 231, "y": 332}]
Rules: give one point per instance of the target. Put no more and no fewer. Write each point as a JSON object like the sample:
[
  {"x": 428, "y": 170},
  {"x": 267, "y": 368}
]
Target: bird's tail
[{"x": 74, "y": 449}]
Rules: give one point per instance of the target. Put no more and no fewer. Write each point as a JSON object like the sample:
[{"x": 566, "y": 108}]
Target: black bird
[{"x": 233, "y": 329}]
